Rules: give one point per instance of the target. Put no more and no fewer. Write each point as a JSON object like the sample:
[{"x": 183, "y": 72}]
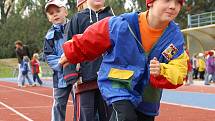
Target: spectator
[
  {"x": 210, "y": 68},
  {"x": 21, "y": 51},
  {"x": 201, "y": 69},
  {"x": 25, "y": 69},
  {"x": 195, "y": 65},
  {"x": 35, "y": 68}
]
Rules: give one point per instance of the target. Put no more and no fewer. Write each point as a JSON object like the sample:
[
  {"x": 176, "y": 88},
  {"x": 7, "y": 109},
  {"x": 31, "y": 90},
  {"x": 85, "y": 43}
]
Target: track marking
[
  {"x": 187, "y": 106},
  {"x": 187, "y": 91},
  {"x": 44, "y": 95},
  {"x": 15, "y": 111},
  {"x": 33, "y": 107}
]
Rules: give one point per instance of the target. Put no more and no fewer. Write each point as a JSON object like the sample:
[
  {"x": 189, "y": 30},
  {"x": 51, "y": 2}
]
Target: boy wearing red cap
[{"x": 142, "y": 54}]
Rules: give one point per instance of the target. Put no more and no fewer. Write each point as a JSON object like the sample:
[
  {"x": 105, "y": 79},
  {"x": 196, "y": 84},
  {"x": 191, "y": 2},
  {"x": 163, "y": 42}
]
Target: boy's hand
[
  {"x": 63, "y": 60},
  {"x": 154, "y": 67},
  {"x": 65, "y": 64}
]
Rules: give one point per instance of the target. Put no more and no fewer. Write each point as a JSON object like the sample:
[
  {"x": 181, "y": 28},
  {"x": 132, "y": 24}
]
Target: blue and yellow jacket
[{"x": 124, "y": 72}]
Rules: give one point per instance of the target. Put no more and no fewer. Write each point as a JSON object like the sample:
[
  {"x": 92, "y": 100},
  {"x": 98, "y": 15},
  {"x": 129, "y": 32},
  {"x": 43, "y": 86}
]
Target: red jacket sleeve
[
  {"x": 91, "y": 44},
  {"x": 162, "y": 82}
]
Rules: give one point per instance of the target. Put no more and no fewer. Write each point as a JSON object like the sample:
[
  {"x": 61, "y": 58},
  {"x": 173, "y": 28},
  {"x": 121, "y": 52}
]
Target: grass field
[{"x": 8, "y": 67}]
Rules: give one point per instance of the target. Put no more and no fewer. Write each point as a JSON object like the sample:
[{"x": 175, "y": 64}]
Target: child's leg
[
  {"x": 29, "y": 80},
  {"x": 61, "y": 96},
  {"x": 23, "y": 79},
  {"x": 19, "y": 78},
  {"x": 85, "y": 106},
  {"x": 74, "y": 103},
  {"x": 143, "y": 117},
  {"x": 206, "y": 79},
  {"x": 123, "y": 110},
  {"x": 38, "y": 79},
  {"x": 34, "y": 78},
  {"x": 104, "y": 111}
]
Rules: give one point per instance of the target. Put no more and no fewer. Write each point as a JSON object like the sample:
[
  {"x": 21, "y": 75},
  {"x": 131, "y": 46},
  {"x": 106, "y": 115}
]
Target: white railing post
[{"x": 189, "y": 21}]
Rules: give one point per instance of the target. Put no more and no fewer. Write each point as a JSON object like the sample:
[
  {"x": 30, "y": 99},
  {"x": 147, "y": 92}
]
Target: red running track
[
  {"x": 34, "y": 104},
  {"x": 29, "y": 103}
]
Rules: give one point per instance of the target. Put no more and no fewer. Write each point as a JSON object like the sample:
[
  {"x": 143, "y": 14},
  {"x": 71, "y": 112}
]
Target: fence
[{"x": 201, "y": 19}]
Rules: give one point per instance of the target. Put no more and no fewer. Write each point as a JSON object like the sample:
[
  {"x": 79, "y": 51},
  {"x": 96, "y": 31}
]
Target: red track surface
[
  {"x": 178, "y": 113},
  {"x": 35, "y": 103},
  {"x": 197, "y": 88}
]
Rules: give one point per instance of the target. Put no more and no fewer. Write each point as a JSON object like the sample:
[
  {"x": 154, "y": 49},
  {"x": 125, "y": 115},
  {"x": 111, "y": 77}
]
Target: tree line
[{"x": 25, "y": 20}]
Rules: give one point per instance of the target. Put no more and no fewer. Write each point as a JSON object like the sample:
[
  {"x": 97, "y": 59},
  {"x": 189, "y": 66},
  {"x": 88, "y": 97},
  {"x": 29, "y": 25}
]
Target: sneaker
[
  {"x": 32, "y": 85},
  {"x": 21, "y": 86}
]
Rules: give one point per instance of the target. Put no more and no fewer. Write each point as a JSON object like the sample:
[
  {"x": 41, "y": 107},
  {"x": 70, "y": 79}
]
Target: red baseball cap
[{"x": 150, "y": 1}]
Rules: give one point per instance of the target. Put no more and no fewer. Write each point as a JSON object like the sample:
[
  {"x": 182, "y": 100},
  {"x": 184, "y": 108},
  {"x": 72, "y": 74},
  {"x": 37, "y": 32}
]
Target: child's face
[
  {"x": 96, "y": 3},
  {"x": 165, "y": 10},
  {"x": 18, "y": 46},
  {"x": 56, "y": 15}
]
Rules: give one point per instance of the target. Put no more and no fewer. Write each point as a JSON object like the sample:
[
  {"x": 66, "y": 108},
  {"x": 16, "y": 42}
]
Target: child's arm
[
  {"x": 172, "y": 74},
  {"x": 89, "y": 45},
  {"x": 50, "y": 56},
  {"x": 53, "y": 62}
]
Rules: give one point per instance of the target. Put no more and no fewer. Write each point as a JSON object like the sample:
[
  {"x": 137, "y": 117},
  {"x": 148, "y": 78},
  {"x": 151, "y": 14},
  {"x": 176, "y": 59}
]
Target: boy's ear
[
  {"x": 150, "y": 5},
  {"x": 66, "y": 12}
]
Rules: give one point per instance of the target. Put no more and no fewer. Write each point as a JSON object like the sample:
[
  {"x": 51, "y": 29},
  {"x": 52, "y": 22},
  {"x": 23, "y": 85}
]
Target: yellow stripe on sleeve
[{"x": 176, "y": 70}]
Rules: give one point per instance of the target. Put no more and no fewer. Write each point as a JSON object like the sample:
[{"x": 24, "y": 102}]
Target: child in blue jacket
[
  {"x": 63, "y": 76},
  {"x": 25, "y": 69}
]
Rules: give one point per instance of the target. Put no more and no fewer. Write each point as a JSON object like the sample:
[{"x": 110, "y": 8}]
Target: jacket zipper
[{"x": 97, "y": 17}]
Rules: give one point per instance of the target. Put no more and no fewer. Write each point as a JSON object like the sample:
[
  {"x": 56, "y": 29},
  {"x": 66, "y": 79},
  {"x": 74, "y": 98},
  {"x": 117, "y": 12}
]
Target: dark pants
[
  {"x": 92, "y": 107},
  {"x": 202, "y": 75},
  {"x": 125, "y": 111},
  {"x": 36, "y": 77},
  {"x": 61, "y": 96},
  {"x": 195, "y": 73}
]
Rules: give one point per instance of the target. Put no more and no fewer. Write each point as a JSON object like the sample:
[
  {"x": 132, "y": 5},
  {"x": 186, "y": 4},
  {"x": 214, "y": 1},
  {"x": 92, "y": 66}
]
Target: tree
[{"x": 6, "y": 6}]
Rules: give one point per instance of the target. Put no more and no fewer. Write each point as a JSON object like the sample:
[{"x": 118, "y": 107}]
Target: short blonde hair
[{"x": 35, "y": 56}]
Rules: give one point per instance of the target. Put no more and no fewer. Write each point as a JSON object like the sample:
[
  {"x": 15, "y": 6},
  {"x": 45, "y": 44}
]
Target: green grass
[
  {"x": 6, "y": 71},
  {"x": 7, "y": 67}
]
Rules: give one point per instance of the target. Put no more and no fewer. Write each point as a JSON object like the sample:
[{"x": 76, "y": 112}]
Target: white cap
[
  {"x": 58, "y": 3},
  {"x": 201, "y": 55}
]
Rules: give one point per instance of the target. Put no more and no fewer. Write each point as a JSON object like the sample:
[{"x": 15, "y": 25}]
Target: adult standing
[
  {"x": 210, "y": 68},
  {"x": 21, "y": 51}
]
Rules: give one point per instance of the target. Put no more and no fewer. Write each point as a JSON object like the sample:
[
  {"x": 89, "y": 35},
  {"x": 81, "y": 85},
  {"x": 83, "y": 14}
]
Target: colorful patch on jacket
[{"x": 169, "y": 52}]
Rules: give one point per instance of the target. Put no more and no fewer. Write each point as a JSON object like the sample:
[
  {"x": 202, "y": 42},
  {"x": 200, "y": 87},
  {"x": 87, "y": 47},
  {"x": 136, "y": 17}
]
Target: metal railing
[{"x": 201, "y": 19}]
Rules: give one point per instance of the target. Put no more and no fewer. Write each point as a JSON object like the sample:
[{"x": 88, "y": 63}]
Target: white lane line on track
[
  {"x": 44, "y": 95},
  {"x": 33, "y": 107},
  {"x": 15, "y": 111},
  {"x": 187, "y": 106}
]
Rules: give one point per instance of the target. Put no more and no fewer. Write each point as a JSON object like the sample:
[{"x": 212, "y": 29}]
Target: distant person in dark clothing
[{"x": 21, "y": 51}]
